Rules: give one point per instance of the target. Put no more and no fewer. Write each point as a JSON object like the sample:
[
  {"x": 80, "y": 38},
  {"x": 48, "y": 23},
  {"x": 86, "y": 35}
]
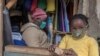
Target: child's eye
[{"x": 81, "y": 27}]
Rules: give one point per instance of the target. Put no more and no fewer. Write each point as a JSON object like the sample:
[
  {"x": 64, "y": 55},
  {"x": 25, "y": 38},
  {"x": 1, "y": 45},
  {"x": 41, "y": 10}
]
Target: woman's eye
[{"x": 74, "y": 28}]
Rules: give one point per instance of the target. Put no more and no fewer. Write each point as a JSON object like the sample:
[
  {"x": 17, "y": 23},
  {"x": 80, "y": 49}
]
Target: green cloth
[{"x": 42, "y": 4}]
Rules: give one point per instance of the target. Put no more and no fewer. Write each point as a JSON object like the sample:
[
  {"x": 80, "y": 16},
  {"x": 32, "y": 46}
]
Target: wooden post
[
  {"x": 75, "y": 10},
  {"x": 1, "y": 27}
]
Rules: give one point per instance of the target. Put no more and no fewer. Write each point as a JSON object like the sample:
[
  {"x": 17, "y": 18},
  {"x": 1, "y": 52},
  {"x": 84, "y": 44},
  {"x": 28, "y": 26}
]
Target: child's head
[{"x": 79, "y": 24}]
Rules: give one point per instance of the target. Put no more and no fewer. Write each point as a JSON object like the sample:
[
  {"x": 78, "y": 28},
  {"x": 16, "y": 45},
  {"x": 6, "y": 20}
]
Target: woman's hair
[{"x": 80, "y": 16}]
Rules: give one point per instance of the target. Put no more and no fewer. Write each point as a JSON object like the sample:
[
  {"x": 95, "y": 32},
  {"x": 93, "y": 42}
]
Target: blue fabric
[
  {"x": 49, "y": 22},
  {"x": 27, "y": 4},
  {"x": 66, "y": 21},
  {"x": 59, "y": 16},
  {"x": 20, "y": 43},
  {"x": 62, "y": 17},
  {"x": 58, "y": 39},
  {"x": 17, "y": 39}
]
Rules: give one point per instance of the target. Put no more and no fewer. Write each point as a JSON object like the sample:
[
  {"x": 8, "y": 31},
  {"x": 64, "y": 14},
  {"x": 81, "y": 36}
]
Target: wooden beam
[
  {"x": 1, "y": 27},
  {"x": 75, "y": 10},
  {"x": 27, "y": 50}
]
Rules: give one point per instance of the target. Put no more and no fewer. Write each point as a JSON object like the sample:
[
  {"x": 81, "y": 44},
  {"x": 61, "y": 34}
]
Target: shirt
[
  {"x": 34, "y": 36},
  {"x": 86, "y": 46}
]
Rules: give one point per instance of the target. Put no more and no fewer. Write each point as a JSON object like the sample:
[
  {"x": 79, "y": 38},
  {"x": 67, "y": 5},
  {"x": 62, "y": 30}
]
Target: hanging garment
[
  {"x": 42, "y": 4},
  {"x": 66, "y": 21},
  {"x": 57, "y": 39},
  {"x": 50, "y": 29},
  {"x": 60, "y": 25},
  {"x": 34, "y": 5},
  {"x": 7, "y": 28},
  {"x": 50, "y": 6},
  {"x": 56, "y": 17},
  {"x": 62, "y": 17},
  {"x": 27, "y": 4},
  {"x": 20, "y": 4}
]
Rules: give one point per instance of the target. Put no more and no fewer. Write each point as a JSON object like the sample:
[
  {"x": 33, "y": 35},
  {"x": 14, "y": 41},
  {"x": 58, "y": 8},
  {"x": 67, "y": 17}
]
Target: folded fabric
[
  {"x": 50, "y": 5},
  {"x": 34, "y": 5},
  {"x": 42, "y": 4},
  {"x": 17, "y": 39},
  {"x": 39, "y": 13}
]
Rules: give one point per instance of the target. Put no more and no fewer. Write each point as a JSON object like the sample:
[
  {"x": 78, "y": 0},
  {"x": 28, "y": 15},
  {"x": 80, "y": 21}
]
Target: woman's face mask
[{"x": 42, "y": 25}]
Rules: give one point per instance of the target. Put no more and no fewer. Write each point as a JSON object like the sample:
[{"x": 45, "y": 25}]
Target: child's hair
[{"x": 80, "y": 16}]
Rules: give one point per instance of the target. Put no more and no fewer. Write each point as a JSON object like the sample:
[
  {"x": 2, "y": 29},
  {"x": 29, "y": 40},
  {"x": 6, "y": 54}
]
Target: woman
[{"x": 32, "y": 33}]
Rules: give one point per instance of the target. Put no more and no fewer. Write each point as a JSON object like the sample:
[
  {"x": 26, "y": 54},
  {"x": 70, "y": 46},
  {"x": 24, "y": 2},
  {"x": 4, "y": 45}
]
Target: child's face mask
[
  {"x": 78, "y": 33},
  {"x": 42, "y": 25}
]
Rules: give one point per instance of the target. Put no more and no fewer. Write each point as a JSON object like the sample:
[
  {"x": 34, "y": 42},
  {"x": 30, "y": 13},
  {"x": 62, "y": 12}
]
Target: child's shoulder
[
  {"x": 67, "y": 36},
  {"x": 90, "y": 38}
]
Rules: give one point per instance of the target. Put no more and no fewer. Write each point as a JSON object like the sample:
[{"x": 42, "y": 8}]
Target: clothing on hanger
[
  {"x": 27, "y": 4},
  {"x": 50, "y": 6},
  {"x": 42, "y": 4},
  {"x": 50, "y": 29},
  {"x": 7, "y": 28},
  {"x": 34, "y": 5}
]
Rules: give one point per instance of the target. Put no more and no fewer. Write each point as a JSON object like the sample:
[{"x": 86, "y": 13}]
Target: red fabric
[{"x": 34, "y": 5}]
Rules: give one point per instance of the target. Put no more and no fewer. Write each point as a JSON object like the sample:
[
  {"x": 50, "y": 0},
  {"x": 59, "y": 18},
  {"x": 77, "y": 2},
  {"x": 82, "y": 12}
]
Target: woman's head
[
  {"x": 79, "y": 24},
  {"x": 38, "y": 16}
]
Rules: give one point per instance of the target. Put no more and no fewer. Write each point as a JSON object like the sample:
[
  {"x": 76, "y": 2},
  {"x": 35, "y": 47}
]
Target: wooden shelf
[{"x": 61, "y": 33}]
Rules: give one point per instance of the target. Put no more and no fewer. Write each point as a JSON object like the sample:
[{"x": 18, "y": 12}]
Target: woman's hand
[{"x": 52, "y": 48}]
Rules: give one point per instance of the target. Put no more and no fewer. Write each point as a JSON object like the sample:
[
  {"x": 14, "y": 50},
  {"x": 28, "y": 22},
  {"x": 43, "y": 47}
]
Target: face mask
[
  {"x": 78, "y": 33},
  {"x": 42, "y": 25}
]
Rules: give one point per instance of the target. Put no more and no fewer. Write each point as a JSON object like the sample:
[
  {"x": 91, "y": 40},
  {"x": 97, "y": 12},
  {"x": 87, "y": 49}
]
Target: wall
[{"x": 91, "y": 8}]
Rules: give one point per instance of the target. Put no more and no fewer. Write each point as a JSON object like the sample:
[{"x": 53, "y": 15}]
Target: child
[{"x": 79, "y": 41}]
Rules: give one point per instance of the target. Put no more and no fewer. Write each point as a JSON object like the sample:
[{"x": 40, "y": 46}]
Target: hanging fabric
[
  {"x": 7, "y": 28},
  {"x": 66, "y": 22},
  {"x": 27, "y": 5},
  {"x": 56, "y": 16},
  {"x": 20, "y": 4},
  {"x": 62, "y": 17},
  {"x": 34, "y": 5},
  {"x": 57, "y": 39},
  {"x": 50, "y": 6},
  {"x": 50, "y": 29},
  {"x": 60, "y": 22},
  {"x": 42, "y": 4}
]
